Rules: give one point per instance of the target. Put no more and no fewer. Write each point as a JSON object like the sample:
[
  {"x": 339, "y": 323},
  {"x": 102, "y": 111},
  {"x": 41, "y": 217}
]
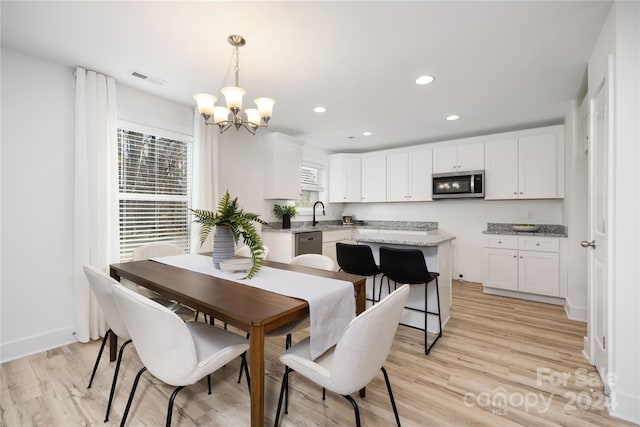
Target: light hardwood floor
[{"x": 501, "y": 362}]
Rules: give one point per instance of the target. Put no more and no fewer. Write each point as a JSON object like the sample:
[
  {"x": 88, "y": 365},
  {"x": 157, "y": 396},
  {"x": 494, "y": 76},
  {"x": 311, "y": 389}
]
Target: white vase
[{"x": 223, "y": 245}]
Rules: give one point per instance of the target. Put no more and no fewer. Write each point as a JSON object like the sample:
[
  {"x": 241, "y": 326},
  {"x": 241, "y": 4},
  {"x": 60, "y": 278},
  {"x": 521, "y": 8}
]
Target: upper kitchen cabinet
[
  {"x": 374, "y": 177},
  {"x": 345, "y": 179},
  {"x": 458, "y": 158},
  {"x": 409, "y": 176},
  {"x": 527, "y": 167},
  {"x": 282, "y": 162}
]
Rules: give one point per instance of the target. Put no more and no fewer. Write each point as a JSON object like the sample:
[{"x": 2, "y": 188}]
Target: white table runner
[{"x": 331, "y": 302}]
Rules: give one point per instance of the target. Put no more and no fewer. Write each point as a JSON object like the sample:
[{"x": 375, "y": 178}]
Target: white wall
[
  {"x": 620, "y": 37},
  {"x": 37, "y": 202},
  {"x": 626, "y": 204},
  {"x": 575, "y": 211},
  {"x": 466, "y": 219},
  {"x": 36, "y": 299}
]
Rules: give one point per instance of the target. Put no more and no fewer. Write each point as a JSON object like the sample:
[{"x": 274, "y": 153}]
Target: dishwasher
[{"x": 309, "y": 242}]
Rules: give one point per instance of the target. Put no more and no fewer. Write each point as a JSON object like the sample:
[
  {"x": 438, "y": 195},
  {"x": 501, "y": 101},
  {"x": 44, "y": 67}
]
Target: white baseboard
[
  {"x": 36, "y": 344},
  {"x": 522, "y": 295},
  {"x": 573, "y": 312},
  {"x": 626, "y": 407}
]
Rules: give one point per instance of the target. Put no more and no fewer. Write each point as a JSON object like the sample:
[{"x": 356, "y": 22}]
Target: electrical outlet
[{"x": 461, "y": 276}]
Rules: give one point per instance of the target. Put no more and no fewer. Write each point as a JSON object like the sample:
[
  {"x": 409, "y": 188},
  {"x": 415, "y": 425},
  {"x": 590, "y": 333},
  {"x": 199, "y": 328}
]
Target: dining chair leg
[
  {"x": 246, "y": 369},
  {"x": 355, "y": 408},
  {"x": 426, "y": 315},
  {"x": 428, "y": 348},
  {"x": 115, "y": 379},
  {"x": 393, "y": 401},
  {"x": 324, "y": 393},
  {"x": 95, "y": 366},
  {"x": 209, "y": 383},
  {"x": 171, "y": 400},
  {"x": 133, "y": 391},
  {"x": 283, "y": 387}
]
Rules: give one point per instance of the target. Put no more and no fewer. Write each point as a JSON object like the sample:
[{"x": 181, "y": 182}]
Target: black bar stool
[
  {"x": 358, "y": 259},
  {"x": 408, "y": 266}
]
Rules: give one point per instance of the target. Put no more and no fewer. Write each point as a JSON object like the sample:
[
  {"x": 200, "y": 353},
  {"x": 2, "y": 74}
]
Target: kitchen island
[{"x": 436, "y": 247}]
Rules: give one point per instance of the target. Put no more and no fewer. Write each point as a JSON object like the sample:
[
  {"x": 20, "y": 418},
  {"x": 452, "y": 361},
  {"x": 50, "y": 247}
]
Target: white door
[
  {"x": 598, "y": 228},
  {"x": 501, "y": 269},
  {"x": 445, "y": 159},
  {"x": 539, "y": 273},
  {"x": 501, "y": 169}
]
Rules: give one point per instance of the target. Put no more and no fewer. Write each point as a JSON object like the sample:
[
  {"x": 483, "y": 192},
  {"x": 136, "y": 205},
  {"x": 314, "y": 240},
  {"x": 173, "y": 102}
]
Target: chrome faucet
[{"x": 314, "y": 222}]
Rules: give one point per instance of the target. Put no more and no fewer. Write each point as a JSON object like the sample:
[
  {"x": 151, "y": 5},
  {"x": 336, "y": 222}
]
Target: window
[
  {"x": 312, "y": 183},
  {"x": 154, "y": 189}
]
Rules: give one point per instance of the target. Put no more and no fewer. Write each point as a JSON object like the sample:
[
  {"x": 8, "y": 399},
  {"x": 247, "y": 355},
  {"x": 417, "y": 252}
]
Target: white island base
[{"x": 437, "y": 253}]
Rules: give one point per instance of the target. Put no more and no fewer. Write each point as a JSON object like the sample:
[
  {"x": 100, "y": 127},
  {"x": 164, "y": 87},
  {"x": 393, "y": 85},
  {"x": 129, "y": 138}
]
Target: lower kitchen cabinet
[
  {"x": 329, "y": 240},
  {"x": 523, "y": 264}
]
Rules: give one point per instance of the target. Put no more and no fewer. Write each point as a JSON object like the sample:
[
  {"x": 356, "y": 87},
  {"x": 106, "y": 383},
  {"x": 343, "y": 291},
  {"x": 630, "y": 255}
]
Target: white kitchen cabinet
[
  {"x": 345, "y": 180},
  {"x": 523, "y": 264},
  {"x": 282, "y": 162},
  {"x": 539, "y": 273},
  {"x": 282, "y": 246},
  {"x": 409, "y": 176},
  {"x": 529, "y": 167},
  {"x": 374, "y": 177},
  {"x": 458, "y": 158},
  {"x": 330, "y": 238},
  {"x": 501, "y": 268}
]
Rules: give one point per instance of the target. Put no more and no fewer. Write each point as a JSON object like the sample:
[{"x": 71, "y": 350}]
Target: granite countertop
[
  {"x": 546, "y": 230},
  {"x": 302, "y": 227},
  {"x": 431, "y": 239}
]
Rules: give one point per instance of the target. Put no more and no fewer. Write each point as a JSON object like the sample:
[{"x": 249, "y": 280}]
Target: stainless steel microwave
[{"x": 457, "y": 185}]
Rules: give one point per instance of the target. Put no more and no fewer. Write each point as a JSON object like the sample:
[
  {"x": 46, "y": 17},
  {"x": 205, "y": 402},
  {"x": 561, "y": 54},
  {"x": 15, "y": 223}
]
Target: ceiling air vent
[{"x": 146, "y": 77}]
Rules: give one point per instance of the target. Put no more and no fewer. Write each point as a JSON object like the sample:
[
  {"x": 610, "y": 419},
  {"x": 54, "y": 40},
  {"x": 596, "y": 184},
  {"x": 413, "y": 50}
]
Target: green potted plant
[
  {"x": 286, "y": 212},
  {"x": 231, "y": 222}
]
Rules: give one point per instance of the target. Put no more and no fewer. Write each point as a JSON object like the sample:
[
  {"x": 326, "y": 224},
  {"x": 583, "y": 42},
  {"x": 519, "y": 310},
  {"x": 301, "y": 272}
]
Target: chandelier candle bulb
[
  {"x": 233, "y": 95},
  {"x": 205, "y": 103},
  {"x": 253, "y": 116},
  {"x": 265, "y": 106},
  {"x": 220, "y": 114}
]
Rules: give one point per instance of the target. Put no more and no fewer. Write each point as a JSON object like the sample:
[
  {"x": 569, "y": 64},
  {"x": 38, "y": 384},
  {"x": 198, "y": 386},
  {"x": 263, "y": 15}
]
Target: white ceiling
[{"x": 499, "y": 65}]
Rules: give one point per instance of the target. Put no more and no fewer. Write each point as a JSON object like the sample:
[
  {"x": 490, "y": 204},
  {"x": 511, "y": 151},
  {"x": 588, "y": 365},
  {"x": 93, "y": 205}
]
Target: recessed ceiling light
[
  {"x": 367, "y": 133},
  {"x": 453, "y": 117},
  {"x": 320, "y": 110},
  {"x": 424, "y": 80}
]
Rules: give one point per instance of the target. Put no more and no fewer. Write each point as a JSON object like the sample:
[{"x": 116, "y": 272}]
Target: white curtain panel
[
  {"x": 205, "y": 176},
  {"x": 95, "y": 238}
]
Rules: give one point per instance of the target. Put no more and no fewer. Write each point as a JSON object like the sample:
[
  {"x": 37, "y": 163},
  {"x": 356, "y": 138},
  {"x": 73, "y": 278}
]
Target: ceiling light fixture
[
  {"x": 320, "y": 109},
  {"x": 255, "y": 118},
  {"x": 424, "y": 80},
  {"x": 453, "y": 117},
  {"x": 367, "y": 133}
]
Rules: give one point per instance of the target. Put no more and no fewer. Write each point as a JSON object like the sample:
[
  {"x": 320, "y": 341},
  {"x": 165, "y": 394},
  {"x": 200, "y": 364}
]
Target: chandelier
[{"x": 228, "y": 116}]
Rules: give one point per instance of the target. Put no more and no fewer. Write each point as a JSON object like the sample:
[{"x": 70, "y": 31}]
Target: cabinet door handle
[
  {"x": 537, "y": 244},
  {"x": 515, "y": 256},
  {"x": 521, "y": 257},
  {"x": 515, "y": 192},
  {"x": 499, "y": 242},
  {"x": 521, "y": 192}
]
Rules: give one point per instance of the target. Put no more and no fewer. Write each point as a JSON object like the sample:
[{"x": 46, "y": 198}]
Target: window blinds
[{"x": 154, "y": 180}]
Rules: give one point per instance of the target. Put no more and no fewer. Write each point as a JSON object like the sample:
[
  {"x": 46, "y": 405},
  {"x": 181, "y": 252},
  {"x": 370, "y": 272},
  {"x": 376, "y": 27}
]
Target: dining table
[{"x": 250, "y": 309}]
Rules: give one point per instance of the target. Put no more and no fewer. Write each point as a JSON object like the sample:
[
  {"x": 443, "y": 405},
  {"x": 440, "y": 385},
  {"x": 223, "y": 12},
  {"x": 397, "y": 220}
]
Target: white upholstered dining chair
[
  {"x": 101, "y": 286},
  {"x": 353, "y": 362},
  {"x": 176, "y": 352},
  {"x": 154, "y": 250},
  {"x": 246, "y": 252},
  {"x": 322, "y": 262}
]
